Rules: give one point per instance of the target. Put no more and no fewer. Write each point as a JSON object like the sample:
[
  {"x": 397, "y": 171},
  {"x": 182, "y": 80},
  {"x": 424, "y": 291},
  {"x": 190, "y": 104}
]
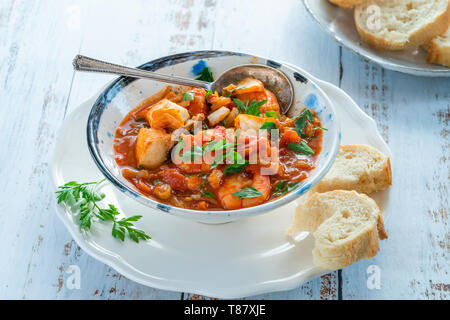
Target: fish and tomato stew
[{"x": 202, "y": 150}]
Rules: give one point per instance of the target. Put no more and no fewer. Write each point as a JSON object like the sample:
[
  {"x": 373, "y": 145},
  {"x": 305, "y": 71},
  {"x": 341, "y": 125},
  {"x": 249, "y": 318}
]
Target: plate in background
[{"x": 339, "y": 23}]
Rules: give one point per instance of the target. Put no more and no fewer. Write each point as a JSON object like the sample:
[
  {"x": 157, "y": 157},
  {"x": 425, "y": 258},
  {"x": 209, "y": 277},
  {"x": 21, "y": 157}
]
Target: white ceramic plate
[
  {"x": 339, "y": 24},
  {"x": 238, "y": 259}
]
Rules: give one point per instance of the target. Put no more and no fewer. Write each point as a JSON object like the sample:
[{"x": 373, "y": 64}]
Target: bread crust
[
  {"x": 437, "y": 53},
  {"x": 421, "y": 36},
  {"x": 366, "y": 246},
  {"x": 347, "y": 3},
  {"x": 341, "y": 255},
  {"x": 364, "y": 182}
]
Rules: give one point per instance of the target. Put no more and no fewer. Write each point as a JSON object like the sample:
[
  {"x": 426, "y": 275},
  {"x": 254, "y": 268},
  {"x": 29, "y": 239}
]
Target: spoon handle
[{"x": 83, "y": 63}]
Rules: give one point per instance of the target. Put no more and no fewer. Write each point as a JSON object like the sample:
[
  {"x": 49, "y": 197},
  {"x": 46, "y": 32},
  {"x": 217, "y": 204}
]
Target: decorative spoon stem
[{"x": 83, "y": 63}]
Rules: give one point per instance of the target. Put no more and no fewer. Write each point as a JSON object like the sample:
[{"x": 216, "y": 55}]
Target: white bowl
[{"x": 123, "y": 94}]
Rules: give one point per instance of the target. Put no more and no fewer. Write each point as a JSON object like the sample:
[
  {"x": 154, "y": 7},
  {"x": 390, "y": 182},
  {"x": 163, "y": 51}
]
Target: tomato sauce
[{"x": 206, "y": 189}]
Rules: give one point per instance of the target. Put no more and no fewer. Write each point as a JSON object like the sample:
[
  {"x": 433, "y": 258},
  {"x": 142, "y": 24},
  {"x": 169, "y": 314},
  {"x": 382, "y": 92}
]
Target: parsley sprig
[
  {"x": 301, "y": 148},
  {"x": 83, "y": 198},
  {"x": 300, "y": 124},
  {"x": 252, "y": 108},
  {"x": 282, "y": 187},
  {"x": 250, "y": 192}
]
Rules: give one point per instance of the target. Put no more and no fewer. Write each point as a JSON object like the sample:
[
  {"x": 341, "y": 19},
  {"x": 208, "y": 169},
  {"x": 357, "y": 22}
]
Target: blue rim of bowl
[{"x": 120, "y": 83}]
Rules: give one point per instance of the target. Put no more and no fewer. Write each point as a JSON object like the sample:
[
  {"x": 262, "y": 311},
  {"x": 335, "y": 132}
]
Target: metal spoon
[{"x": 273, "y": 80}]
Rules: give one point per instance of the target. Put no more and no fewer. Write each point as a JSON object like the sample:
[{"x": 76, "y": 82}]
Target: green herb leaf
[
  {"x": 301, "y": 148},
  {"x": 300, "y": 123},
  {"x": 179, "y": 147},
  {"x": 205, "y": 75},
  {"x": 208, "y": 194},
  {"x": 293, "y": 186},
  {"x": 83, "y": 198},
  {"x": 271, "y": 114},
  {"x": 282, "y": 187},
  {"x": 247, "y": 193},
  {"x": 208, "y": 93},
  {"x": 253, "y": 109},
  {"x": 192, "y": 154},
  {"x": 124, "y": 225},
  {"x": 235, "y": 168},
  {"x": 241, "y": 105},
  {"x": 215, "y": 145},
  {"x": 268, "y": 126},
  {"x": 188, "y": 95}
]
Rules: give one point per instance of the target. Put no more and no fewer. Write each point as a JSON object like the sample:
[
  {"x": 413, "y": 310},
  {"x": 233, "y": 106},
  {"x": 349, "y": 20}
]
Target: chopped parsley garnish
[
  {"x": 208, "y": 194},
  {"x": 205, "y": 75},
  {"x": 192, "y": 154},
  {"x": 268, "y": 126},
  {"x": 301, "y": 148},
  {"x": 252, "y": 109},
  {"x": 235, "y": 168},
  {"x": 271, "y": 114},
  {"x": 300, "y": 123},
  {"x": 188, "y": 95},
  {"x": 208, "y": 93},
  {"x": 282, "y": 187},
  {"x": 250, "y": 192}
]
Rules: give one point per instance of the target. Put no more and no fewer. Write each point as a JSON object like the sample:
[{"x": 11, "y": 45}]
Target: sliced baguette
[
  {"x": 403, "y": 23},
  {"x": 346, "y": 226},
  {"x": 347, "y": 3},
  {"x": 357, "y": 167},
  {"x": 439, "y": 49}
]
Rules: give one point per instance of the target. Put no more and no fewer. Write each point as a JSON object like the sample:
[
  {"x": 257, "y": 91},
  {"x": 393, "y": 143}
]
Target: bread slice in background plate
[
  {"x": 402, "y": 23},
  {"x": 357, "y": 167},
  {"x": 347, "y": 3},
  {"x": 439, "y": 49},
  {"x": 346, "y": 226}
]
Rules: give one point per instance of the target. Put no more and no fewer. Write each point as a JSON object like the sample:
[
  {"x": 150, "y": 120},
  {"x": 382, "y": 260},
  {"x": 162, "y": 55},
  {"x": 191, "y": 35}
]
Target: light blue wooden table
[{"x": 38, "y": 88}]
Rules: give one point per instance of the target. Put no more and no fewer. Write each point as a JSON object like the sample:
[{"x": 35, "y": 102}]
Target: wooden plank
[
  {"x": 41, "y": 40},
  {"x": 35, "y": 85},
  {"x": 38, "y": 88},
  {"x": 412, "y": 114}
]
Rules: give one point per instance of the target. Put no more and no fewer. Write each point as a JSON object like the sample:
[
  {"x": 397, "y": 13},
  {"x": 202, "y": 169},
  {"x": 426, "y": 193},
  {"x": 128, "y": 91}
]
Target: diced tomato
[
  {"x": 290, "y": 136},
  {"x": 193, "y": 183},
  {"x": 175, "y": 179},
  {"x": 198, "y": 105}
]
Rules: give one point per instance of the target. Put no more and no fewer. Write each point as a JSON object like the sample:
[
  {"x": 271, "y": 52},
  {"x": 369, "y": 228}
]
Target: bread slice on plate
[
  {"x": 347, "y": 3},
  {"x": 402, "y": 24},
  {"x": 439, "y": 49},
  {"x": 346, "y": 226},
  {"x": 357, "y": 167}
]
